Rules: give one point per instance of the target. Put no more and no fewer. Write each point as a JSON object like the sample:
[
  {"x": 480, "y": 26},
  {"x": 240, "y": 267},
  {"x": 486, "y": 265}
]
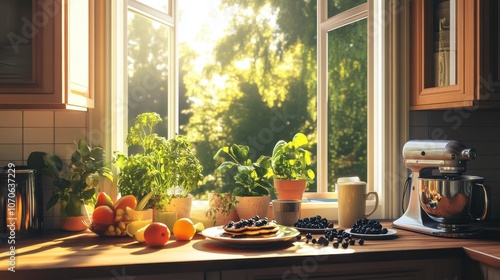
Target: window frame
[{"x": 388, "y": 127}]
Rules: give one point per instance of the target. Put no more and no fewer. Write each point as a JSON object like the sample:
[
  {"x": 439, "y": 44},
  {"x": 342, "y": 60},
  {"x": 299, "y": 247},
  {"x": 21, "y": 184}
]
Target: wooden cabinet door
[
  {"x": 28, "y": 58},
  {"x": 488, "y": 76},
  {"x": 312, "y": 268},
  {"x": 442, "y": 54},
  {"x": 38, "y": 67},
  {"x": 464, "y": 52}
]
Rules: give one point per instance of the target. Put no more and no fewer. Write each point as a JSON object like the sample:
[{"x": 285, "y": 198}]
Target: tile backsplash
[
  {"x": 51, "y": 131},
  {"x": 478, "y": 129}
]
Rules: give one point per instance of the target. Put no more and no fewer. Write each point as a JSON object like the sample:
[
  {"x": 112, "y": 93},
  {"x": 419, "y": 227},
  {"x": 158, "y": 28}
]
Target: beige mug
[{"x": 352, "y": 197}]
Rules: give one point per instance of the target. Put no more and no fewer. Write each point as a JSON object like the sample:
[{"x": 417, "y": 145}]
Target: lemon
[
  {"x": 134, "y": 226},
  {"x": 139, "y": 234},
  {"x": 199, "y": 227}
]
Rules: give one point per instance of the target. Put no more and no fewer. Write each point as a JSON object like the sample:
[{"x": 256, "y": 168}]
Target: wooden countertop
[{"x": 60, "y": 254}]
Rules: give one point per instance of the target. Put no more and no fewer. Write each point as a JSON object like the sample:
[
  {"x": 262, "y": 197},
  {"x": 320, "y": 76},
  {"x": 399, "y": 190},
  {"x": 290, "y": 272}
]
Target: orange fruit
[
  {"x": 184, "y": 229},
  {"x": 156, "y": 234},
  {"x": 124, "y": 201},
  {"x": 103, "y": 215}
]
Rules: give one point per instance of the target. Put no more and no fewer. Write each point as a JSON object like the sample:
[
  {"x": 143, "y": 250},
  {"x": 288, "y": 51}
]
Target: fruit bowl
[{"x": 122, "y": 219}]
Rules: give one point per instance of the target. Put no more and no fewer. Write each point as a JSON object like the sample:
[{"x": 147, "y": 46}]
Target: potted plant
[
  {"x": 167, "y": 168},
  {"x": 252, "y": 180},
  {"x": 290, "y": 164},
  {"x": 76, "y": 186},
  {"x": 221, "y": 208}
]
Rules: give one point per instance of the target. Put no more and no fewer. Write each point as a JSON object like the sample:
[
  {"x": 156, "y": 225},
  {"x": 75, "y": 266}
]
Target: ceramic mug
[
  {"x": 286, "y": 212},
  {"x": 352, "y": 197}
]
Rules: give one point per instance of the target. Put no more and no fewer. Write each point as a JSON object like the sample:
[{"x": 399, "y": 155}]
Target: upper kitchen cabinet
[
  {"x": 454, "y": 54},
  {"x": 47, "y": 54}
]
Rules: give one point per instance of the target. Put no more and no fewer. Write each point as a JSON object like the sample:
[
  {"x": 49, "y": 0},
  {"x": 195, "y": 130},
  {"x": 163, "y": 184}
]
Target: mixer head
[{"x": 449, "y": 156}]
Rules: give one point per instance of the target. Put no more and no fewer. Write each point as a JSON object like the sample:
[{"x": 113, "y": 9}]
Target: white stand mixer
[{"x": 449, "y": 158}]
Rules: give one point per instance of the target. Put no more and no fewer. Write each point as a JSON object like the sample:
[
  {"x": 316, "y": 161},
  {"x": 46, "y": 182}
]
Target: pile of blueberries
[
  {"x": 367, "y": 226},
  {"x": 316, "y": 222},
  {"x": 338, "y": 238},
  {"x": 255, "y": 221}
]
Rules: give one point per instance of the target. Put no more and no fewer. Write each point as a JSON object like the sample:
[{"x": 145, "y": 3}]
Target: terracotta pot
[
  {"x": 290, "y": 189},
  {"x": 75, "y": 223},
  {"x": 222, "y": 219},
  {"x": 182, "y": 206},
  {"x": 249, "y": 206}
]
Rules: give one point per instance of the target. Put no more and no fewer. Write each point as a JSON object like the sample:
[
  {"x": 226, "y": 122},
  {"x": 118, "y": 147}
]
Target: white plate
[
  {"x": 390, "y": 233},
  {"x": 284, "y": 234}
]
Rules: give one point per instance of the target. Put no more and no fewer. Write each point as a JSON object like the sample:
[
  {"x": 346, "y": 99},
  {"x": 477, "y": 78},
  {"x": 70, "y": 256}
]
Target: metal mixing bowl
[{"x": 455, "y": 200}]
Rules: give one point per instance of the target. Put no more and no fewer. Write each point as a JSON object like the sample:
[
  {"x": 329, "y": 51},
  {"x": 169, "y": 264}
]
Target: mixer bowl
[{"x": 456, "y": 200}]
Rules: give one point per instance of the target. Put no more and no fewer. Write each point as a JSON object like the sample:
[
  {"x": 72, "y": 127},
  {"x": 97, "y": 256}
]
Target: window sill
[{"x": 323, "y": 204}]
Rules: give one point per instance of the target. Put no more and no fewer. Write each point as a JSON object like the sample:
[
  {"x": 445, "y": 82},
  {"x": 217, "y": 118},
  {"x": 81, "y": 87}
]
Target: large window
[{"x": 255, "y": 72}]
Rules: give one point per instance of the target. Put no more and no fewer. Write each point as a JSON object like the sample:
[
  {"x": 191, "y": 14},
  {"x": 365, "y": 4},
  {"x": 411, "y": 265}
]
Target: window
[
  {"x": 266, "y": 79},
  {"x": 150, "y": 72}
]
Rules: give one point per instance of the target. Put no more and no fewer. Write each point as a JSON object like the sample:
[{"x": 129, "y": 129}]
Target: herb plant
[
  {"x": 290, "y": 160},
  {"x": 226, "y": 202},
  {"x": 75, "y": 187},
  {"x": 252, "y": 178},
  {"x": 168, "y": 168}
]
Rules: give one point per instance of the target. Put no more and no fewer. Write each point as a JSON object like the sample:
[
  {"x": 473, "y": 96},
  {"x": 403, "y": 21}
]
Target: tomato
[
  {"x": 104, "y": 199},
  {"x": 124, "y": 201},
  {"x": 103, "y": 215},
  {"x": 156, "y": 234}
]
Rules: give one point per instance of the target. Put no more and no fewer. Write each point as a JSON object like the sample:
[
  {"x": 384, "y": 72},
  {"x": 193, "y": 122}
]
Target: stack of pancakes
[{"x": 270, "y": 229}]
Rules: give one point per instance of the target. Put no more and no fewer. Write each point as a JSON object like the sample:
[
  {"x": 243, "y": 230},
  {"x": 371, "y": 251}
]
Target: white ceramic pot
[{"x": 182, "y": 206}]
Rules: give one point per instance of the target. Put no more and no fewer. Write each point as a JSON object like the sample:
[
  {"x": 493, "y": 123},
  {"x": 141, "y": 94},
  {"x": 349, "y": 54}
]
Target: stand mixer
[{"x": 442, "y": 204}]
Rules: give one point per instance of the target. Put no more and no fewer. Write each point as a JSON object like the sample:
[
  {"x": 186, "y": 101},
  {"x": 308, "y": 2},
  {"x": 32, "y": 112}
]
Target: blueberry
[
  {"x": 345, "y": 245},
  {"x": 314, "y": 241},
  {"x": 335, "y": 244},
  {"x": 299, "y": 237},
  {"x": 361, "y": 241},
  {"x": 352, "y": 241}
]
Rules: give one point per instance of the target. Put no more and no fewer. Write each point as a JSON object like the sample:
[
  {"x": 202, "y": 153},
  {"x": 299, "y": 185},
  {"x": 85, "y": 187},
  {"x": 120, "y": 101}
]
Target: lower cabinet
[{"x": 313, "y": 269}]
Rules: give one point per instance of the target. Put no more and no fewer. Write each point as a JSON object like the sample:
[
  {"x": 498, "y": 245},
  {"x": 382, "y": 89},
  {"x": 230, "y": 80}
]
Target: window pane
[
  {"x": 336, "y": 7},
  {"x": 148, "y": 68},
  {"x": 251, "y": 83},
  {"x": 16, "y": 41},
  {"x": 160, "y": 5},
  {"x": 443, "y": 53},
  {"x": 347, "y": 101}
]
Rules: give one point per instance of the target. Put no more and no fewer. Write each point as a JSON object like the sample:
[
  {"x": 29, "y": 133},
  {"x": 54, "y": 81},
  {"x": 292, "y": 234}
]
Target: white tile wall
[{"x": 23, "y": 132}]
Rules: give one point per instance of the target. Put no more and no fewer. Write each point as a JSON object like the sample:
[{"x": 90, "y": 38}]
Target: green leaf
[
  {"x": 83, "y": 148},
  {"x": 36, "y": 160},
  {"x": 54, "y": 164},
  {"x": 299, "y": 140},
  {"x": 52, "y": 201}
]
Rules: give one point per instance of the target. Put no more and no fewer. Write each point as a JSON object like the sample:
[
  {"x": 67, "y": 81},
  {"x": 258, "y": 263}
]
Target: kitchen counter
[{"x": 63, "y": 255}]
